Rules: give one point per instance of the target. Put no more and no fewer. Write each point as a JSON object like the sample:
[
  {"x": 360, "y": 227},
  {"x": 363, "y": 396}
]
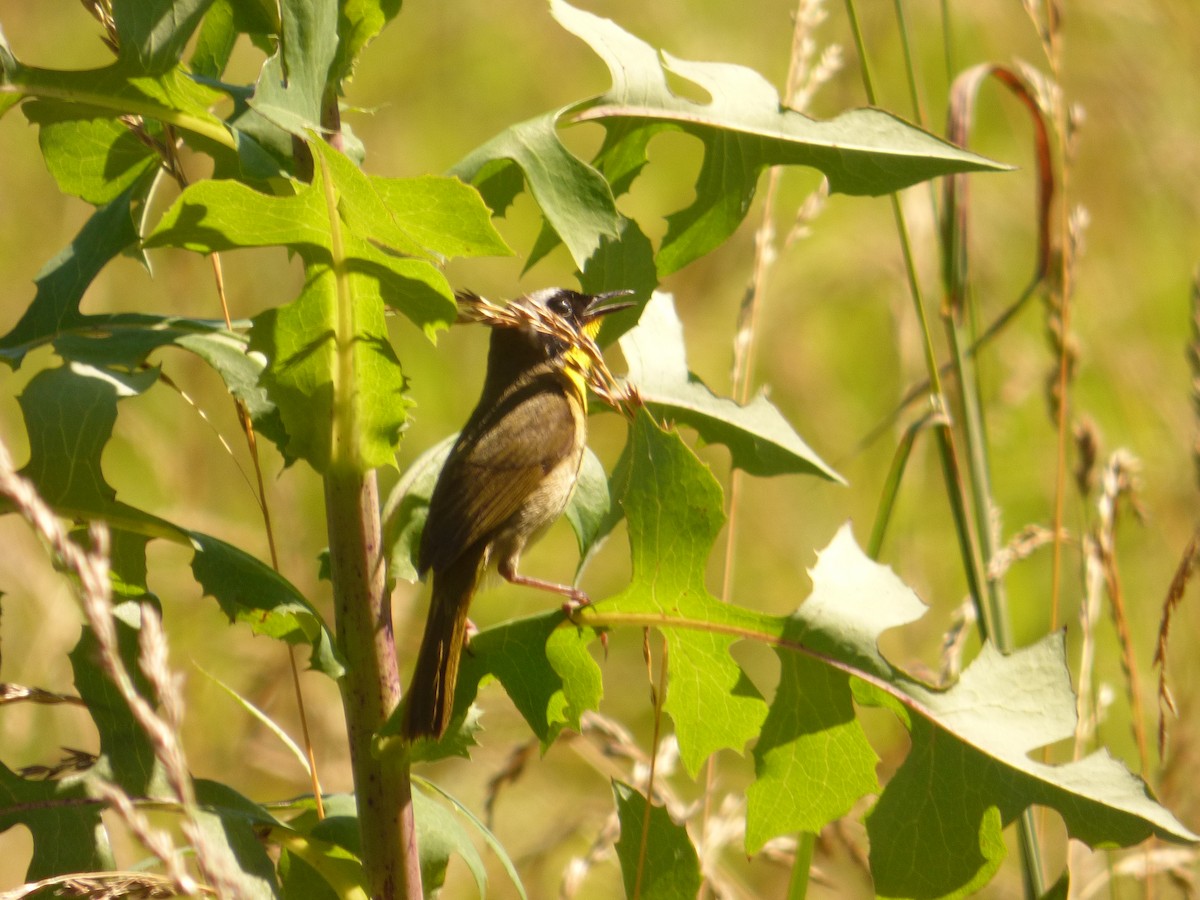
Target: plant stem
[
  {"x": 802, "y": 866},
  {"x": 371, "y": 685},
  {"x": 362, "y": 606}
]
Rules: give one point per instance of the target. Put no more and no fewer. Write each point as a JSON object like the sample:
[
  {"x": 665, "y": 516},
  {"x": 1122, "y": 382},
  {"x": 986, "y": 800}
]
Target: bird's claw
[{"x": 571, "y": 608}]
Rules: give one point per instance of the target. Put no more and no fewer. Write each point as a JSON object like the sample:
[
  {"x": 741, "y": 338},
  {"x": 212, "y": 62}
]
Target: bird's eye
[{"x": 560, "y": 306}]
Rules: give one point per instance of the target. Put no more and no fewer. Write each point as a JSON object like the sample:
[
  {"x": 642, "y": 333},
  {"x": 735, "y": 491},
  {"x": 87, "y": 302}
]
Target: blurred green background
[{"x": 837, "y": 348}]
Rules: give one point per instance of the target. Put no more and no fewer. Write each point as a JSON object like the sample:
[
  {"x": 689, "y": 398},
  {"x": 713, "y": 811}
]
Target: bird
[{"x": 507, "y": 478}]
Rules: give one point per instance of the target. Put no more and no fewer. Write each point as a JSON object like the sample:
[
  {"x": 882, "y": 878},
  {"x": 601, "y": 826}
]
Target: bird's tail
[{"x": 430, "y": 699}]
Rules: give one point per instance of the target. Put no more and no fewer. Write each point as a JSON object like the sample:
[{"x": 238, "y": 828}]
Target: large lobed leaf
[
  {"x": 365, "y": 241},
  {"x": 743, "y": 127}
]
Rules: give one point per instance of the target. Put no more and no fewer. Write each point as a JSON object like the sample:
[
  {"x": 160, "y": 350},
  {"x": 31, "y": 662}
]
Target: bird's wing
[{"x": 501, "y": 457}]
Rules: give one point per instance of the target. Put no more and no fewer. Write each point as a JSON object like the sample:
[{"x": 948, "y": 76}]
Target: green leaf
[
  {"x": 291, "y": 86},
  {"x": 153, "y": 33},
  {"x": 760, "y": 440},
  {"x": 231, "y": 825},
  {"x": 250, "y": 591},
  {"x": 973, "y": 740},
  {"x": 590, "y": 505},
  {"x": 674, "y": 508},
  {"x": 543, "y": 667},
  {"x": 490, "y": 839},
  {"x": 64, "y": 279},
  {"x": 979, "y": 736},
  {"x": 439, "y": 836},
  {"x": 744, "y": 129},
  {"x": 812, "y": 761},
  {"x": 300, "y": 881},
  {"x": 626, "y": 263},
  {"x": 215, "y": 216},
  {"x": 298, "y": 341},
  {"x": 575, "y": 199},
  {"x": 320, "y": 856},
  {"x": 223, "y": 23},
  {"x": 440, "y": 215},
  {"x": 124, "y": 744},
  {"x": 127, "y": 564},
  {"x": 216, "y": 39},
  {"x": 228, "y": 354},
  {"x": 64, "y": 822},
  {"x": 670, "y": 868},
  {"x": 407, "y": 507},
  {"x": 359, "y": 21},
  {"x": 69, "y": 414},
  {"x": 91, "y": 154}
]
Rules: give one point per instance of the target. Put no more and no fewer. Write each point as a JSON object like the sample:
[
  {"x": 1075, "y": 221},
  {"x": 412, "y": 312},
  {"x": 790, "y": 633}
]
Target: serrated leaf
[
  {"x": 153, "y": 33},
  {"x": 359, "y": 21},
  {"x": 543, "y": 664},
  {"x": 347, "y": 280},
  {"x": 812, "y": 761},
  {"x": 69, "y": 414},
  {"x": 670, "y": 867},
  {"x": 231, "y": 824},
  {"x": 213, "y": 216},
  {"x": 250, "y": 591},
  {"x": 441, "y": 215},
  {"x": 91, "y": 154},
  {"x": 573, "y": 196},
  {"x": 759, "y": 439},
  {"x": 291, "y": 86},
  {"x": 974, "y": 744},
  {"x": 299, "y": 342},
  {"x": 673, "y": 506},
  {"x": 973, "y": 740},
  {"x": 124, "y": 743},
  {"x": 744, "y": 129},
  {"x": 63, "y": 280},
  {"x": 544, "y": 668},
  {"x": 68, "y": 834}
]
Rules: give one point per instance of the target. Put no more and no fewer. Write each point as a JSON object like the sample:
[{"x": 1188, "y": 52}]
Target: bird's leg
[{"x": 576, "y": 598}]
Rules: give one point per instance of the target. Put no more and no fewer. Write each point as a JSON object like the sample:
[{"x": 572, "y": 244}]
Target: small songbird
[{"x": 507, "y": 479}]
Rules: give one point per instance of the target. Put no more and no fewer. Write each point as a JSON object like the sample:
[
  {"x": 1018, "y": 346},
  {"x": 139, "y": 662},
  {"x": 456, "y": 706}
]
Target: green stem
[
  {"x": 802, "y": 866},
  {"x": 362, "y": 607}
]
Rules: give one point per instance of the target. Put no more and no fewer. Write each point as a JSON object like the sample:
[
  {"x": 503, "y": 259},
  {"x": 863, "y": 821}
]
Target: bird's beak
[{"x": 599, "y": 306}]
